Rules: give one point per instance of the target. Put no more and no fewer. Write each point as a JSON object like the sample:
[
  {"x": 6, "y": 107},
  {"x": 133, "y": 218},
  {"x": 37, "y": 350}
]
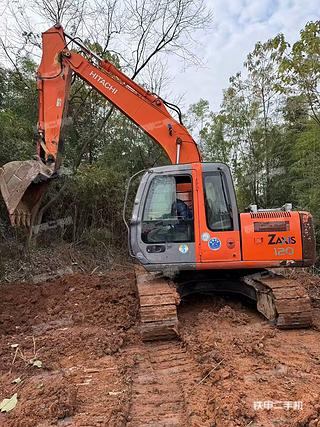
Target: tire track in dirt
[{"x": 164, "y": 374}]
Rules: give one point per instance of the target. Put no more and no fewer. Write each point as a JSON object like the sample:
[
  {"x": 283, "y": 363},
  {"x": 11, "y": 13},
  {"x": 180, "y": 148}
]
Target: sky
[{"x": 237, "y": 26}]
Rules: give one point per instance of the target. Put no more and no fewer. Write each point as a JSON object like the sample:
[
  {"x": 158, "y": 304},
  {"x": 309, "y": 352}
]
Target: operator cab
[{"x": 169, "y": 223}]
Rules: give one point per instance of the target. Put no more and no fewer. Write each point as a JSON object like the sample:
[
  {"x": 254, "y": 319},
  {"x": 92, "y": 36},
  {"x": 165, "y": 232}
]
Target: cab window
[
  {"x": 217, "y": 203},
  {"x": 168, "y": 211}
]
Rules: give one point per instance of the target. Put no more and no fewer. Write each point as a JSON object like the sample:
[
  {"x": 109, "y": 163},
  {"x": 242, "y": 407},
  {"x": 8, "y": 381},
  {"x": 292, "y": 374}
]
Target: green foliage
[
  {"x": 93, "y": 197},
  {"x": 300, "y": 67},
  {"x": 17, "y": 112},
  {"x": 209, "y": 128},
  {"x": 216, "y": 148},
  {"x": 92, "y": 179}
]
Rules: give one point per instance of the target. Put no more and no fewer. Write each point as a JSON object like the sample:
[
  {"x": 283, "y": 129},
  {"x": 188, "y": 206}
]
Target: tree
[
  {"x": 250, "y": 108},
  {"x": 300, "y": 68},
  {"x": 17, "y": 112},
  {"x": 196, "y": 118},
  {"x": 208, "y": 130}
]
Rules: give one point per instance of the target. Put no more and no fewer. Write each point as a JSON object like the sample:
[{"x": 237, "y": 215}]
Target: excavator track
[
  {"x": 281, "y": 300},
  {"x": 158, "y": 306}
]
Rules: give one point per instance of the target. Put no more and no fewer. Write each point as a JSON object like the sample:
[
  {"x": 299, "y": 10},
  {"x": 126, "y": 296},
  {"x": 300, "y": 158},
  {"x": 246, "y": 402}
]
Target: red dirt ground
[{"x": 97, "y": 372}]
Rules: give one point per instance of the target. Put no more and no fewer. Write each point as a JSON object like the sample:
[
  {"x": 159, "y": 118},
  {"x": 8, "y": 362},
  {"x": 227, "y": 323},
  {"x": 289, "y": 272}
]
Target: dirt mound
[
  {"x": 257, "y": 374},
  {"x": 57, "y": 395},
  {"x": 70, "y": 325}
]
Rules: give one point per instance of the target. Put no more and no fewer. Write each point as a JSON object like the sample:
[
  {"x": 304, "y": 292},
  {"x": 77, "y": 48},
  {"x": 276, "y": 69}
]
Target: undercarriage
[{"x": 281, "y": 300}]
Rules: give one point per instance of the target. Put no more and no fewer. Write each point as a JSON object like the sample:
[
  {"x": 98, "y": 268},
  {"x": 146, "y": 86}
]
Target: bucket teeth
[{"x": 20, "y": 219}]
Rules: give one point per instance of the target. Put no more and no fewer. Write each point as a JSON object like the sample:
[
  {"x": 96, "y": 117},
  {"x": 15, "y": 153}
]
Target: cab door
[
  {"x": 218, "y": 231},
  {"x": 162, "y": 226}
]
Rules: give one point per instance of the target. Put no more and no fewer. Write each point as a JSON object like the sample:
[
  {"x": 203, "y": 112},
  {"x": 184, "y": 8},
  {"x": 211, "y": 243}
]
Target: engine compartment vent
[{"x": 275, "y": 214}]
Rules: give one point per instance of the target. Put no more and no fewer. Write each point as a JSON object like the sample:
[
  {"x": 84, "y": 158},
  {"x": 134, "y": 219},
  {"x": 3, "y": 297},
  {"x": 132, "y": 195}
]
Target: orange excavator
[{"x": 186, "y": 230}]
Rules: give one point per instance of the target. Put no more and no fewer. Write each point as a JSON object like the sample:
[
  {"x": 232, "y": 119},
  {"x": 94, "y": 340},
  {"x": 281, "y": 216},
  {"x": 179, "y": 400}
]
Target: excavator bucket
[{"x": 22, "y": 185}]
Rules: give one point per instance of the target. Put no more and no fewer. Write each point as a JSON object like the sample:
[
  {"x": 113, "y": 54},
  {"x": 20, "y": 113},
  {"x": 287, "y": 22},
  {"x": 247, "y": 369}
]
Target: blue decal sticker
[
  {"x": 214, "y": 244},
  {"x": 183, "y": 248}
]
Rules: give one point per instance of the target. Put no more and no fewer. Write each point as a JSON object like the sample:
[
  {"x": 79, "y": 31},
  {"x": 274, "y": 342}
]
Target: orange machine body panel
[{"x": 269, "y": 236}]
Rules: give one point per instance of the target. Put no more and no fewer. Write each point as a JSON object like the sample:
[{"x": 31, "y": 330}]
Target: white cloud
[{"x": 238, "y": 25}]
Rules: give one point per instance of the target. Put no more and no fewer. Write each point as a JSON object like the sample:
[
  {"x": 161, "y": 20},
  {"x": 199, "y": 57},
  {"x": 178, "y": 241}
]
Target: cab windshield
[{"x": 168, "y": 211}]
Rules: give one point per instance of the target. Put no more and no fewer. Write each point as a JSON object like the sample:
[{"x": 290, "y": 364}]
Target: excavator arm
[{"x": 24, "y": 183}]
